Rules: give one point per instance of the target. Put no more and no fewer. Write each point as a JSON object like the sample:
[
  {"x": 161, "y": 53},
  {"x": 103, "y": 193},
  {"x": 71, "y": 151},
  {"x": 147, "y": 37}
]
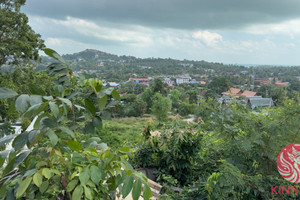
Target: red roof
[
  {"x": 238, "y": 92},
  {"x": 247, "y": 93},
  {"x": 232, "y": 91},
  {"x": 283, "y": 84},
  {"x": 140, "y": 79}
]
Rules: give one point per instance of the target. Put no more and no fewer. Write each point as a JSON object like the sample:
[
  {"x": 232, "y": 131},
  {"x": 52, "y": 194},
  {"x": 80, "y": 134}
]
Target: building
[
  {"x": 140, "y": 80},
  {"x": 168, "y": 81},
  {"x": 183, "y": 79},
  {"x": 262, "y": 81},
  {"x": 259, "y": 102},
  {"x": 235, "y": 92}
]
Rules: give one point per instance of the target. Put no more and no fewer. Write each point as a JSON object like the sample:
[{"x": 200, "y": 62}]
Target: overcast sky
[{"x": 227, "y": 31}]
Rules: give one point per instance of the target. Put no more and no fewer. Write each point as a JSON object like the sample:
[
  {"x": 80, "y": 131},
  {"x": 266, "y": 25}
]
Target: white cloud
[
  {"x": 290, "y": 28},
  {"x": 209, "y": 38}
]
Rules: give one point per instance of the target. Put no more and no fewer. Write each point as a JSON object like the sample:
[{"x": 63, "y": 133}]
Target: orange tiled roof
[
  {"x": 247, "y": 93},
  {"x": 232, "y": 91},
  {"x": 279, "y": 83}
]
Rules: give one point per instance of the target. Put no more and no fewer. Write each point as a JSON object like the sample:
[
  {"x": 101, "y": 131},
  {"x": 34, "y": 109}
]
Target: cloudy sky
[{"x": 227, "y": 31}]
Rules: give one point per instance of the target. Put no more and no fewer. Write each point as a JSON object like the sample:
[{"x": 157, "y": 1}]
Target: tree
[
  {"x": 57, "y": 163},
  {"x": 219, "y": 84},
  {"x": 18, "y": 42},
  {"x": 158, "y": 86},
  {"x": 161, "y": 106}
]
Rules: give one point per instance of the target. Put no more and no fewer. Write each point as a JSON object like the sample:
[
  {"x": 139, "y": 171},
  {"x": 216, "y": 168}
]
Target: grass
[{"x": 119, "y": 130}]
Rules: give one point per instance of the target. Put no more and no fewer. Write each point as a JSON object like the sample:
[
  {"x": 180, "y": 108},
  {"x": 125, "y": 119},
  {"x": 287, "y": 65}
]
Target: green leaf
[
  {"x": 44, "y": 186},
  {"x": 102, "y": 102},
  {"x": 53, "y": 54},
  {"x": 116, "y": 95},
  {"x": 127, "y": 186},
  {"x": 23, "y": 187},
  {"x": 38, "y": 179},
  {"x": 7, "y": 93},
  {"x": 88, "y": 193},
  {"x": 66, "y": 101},
  {"x": 84, "y": 176},
  {"x": 20, "y": 141},
  {"x": 21, "y": 157},
  {"x": 47, "y": 173},
  {"x": 49, "y": 122},
  {"x": 54, "y": 108},
  {"x": 109, "y": 90},
  {"x": 71, "y": 185},
  {"x": 35, "y": 99},
  {"x": 74, "y": 145},
  {"x": 96, "y": 173},
  {"x": 76, "y": 195},
  {"x": 6, "y": 139},
  {"x": 22, "y": 103},
  {"x": 97, "y": 122},
  {"x": 90, "y": 106},
  {"x": 67, "y": 130},
  {"x": 124, "y": 149},
  {"x": 147, "y": 193},
  {"x": 53, "y": 137},
  {"x": 137, "y": 189}
]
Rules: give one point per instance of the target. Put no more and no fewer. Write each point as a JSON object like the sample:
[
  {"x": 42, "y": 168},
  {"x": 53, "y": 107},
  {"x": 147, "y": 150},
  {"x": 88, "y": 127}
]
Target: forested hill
[
  {"x": 116, "y": 68},
  {"x": 90, "y": 59}
]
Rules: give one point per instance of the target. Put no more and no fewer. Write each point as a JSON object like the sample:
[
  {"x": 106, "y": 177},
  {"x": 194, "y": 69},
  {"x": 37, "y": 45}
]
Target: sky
[{"x": 227, "y": 31}]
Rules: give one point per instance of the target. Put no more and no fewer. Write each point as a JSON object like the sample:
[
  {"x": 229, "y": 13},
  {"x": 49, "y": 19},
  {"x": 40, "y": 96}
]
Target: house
[
  {"x": 140, "y": 80},
  {"x": 262, "y": 81},
  {"x": 235, "y": 92},
  {"x": 247, "y": 93},
  {"x": 258, "y": 101},
  {"x": 278, "y": 83},
  {"x": 183, "y": 79},
  {"x": 168, "y": 81},
  {"x": 194, "y": 82}
]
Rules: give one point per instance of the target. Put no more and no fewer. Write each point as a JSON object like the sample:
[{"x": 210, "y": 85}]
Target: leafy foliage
[
  {"x": 18, "y": 41},
  {"x": 56, "y": 164}
]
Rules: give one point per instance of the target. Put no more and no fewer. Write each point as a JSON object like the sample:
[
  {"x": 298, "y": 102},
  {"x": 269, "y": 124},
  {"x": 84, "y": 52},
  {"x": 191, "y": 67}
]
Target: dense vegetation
[{"x": 88, "y": 138}]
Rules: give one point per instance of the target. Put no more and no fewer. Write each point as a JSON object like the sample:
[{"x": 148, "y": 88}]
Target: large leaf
[
  {"x": 116, "y": 95},
  {"x": 96, "y": 173},
  {"x": 88, "y": 193},
  {"x": 66, "y": 101},
  {"x": 90, "y": 106},
  {"x": 76, "y": 195},
  {"x": 35, "y": 99},
  {"x": 71, "y": 185},
  {"x": 22, "y": 103},
  {"x": 137, "y": 189},
  {"x": 53, "y": 137},
  {"x": 4, "y": 140},
  {"x": 53, "y": 54},
  {"x": 38, "y": 179},
  {"x": 23, "y": 187},
  {"x": 74, "y": 145},
  {"x": 147, "y": 193},
  {"x": 97, "y": 122},
  {"x": 54, "y": 108},
  {"x": 127, "y": 186},
  {"x": 102, "y": 102},
  {"x": 21, "y": 157},
  {"x": 20, "y": 141},
  {"x": 84, "y": 176},
  {"x": 7, "y": 93},
  {"x": 68, "y": 131}
]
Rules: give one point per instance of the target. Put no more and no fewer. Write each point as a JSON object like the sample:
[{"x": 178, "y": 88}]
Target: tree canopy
[{"x": 18, "y": 42}]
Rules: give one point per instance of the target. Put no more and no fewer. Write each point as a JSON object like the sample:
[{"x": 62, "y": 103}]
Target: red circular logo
[{"x": 288, "y": 163}]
